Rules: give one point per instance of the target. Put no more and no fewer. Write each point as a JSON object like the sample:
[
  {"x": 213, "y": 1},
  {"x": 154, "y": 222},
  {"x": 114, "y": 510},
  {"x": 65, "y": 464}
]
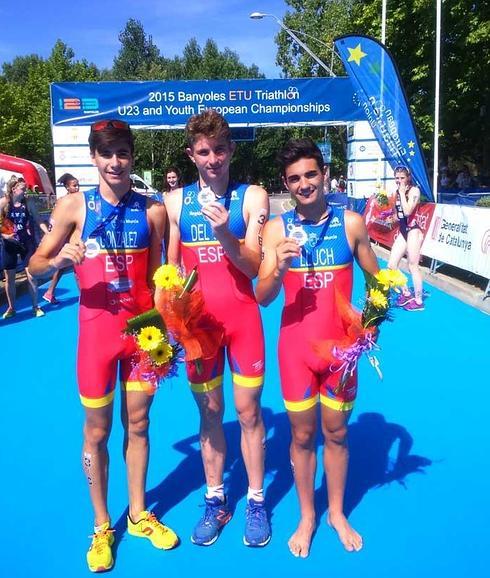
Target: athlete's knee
[
  {"x": 335, "y": 435},
  {"x": 249, "y": 416},
  {"x": 138, "y": 424},
  {"x": 413, "y": 264},
  {"x": 211, "y": 417},
  {"x": 304, "y": 436},
  {"x": 96, "y": 435}
]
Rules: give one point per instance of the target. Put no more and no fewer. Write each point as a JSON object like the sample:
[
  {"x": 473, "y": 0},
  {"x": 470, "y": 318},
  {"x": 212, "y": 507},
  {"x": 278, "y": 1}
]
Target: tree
[
  {"x": 411, "y": 40},
  {"x": 138, "y": 58},
  {"x": 25, "y": 100}
]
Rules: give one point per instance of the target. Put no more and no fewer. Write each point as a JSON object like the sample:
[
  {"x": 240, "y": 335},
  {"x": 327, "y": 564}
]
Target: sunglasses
[{"x": 108, "y": 124}]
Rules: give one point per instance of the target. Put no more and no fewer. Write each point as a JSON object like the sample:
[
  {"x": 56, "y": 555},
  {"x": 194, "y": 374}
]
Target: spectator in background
[
  {"x": 342, "y": 184},
  {"x": 71, "y": 185},
  {"x": 463, "y": 180},
  {"x": 334, "y": 183},
  {"x": 173, "y": 180},
  {"x": 18, "y": 241},
  {"x": 409, "y": 239},
  {"x": 445, "y": 179}
]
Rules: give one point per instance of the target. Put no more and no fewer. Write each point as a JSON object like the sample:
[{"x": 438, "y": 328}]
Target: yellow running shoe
[
  {"x": 149, "y": 527},
  {"x": 99, "y": 555}
]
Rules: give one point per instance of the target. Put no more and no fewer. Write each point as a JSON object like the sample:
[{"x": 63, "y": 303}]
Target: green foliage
[
  {"x": 410, "y": 37},
  {"x": 25, "y": 130},
  {"x": 138, "y": 58},
  {"x": 465, "y": 93},
  {"x": 483, "y": 202}
]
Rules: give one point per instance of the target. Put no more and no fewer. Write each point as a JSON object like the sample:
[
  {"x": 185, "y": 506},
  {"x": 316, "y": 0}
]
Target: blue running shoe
[
  {"x": 216, "y": 515},
  {"x": 257, "y": 528}
]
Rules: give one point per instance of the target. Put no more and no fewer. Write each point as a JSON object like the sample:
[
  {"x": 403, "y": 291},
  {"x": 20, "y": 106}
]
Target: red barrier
[{"x": 382, "y": 222}]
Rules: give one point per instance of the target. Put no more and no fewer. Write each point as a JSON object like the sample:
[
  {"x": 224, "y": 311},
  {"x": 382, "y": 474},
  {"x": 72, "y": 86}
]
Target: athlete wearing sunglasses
[{"x": 114, "y": 273}]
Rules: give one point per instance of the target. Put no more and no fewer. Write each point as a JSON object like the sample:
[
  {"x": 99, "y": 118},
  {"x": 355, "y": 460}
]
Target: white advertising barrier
[{"x": 460, "y": 236}]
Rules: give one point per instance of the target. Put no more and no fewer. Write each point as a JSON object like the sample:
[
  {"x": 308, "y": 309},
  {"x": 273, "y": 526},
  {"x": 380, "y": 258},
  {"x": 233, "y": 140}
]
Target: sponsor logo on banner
[
  {"x": 460, "y": 237},
  {"x": 88, "y": 105}
]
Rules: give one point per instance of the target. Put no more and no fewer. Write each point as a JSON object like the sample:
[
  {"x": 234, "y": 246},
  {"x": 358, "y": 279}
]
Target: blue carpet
[{"x": 423, "y": 516}]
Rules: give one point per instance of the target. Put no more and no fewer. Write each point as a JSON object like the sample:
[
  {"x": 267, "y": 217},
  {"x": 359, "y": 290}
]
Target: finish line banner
[
  {"x": 243, "y": 102},
  {"x": 381, "y": 97}
]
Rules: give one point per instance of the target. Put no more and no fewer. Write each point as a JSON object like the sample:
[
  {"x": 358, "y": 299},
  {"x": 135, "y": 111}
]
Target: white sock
[
  {"x": 216, "y": 492},
  {"x": 256, "y": 495}
]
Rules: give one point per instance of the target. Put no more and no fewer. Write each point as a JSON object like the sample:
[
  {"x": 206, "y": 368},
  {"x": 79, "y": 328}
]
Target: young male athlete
[
  {"x": 310, "y": 251},
  {"x": 216, "y": 226},
  {"x": 113, "y": 237}
]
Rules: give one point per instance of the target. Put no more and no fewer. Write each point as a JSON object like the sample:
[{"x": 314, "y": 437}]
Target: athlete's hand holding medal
[
  {"x": 214, "y": 212},
  {"x": 72, "y": 253},
  {"x": 286, "y": 250}
]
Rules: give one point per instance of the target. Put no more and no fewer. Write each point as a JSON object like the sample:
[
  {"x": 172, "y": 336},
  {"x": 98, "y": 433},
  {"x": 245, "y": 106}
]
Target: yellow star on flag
[
  {"x": 356, "y": 54},
  {"x": 411, "y": 144}
]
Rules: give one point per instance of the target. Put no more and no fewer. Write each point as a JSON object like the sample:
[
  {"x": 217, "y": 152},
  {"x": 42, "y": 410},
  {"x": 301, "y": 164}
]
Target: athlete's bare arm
[
  {"x": 359, "y": 242},
  {"x": 278, "y": 251},
  {"x": 157, "y": 219},
  {"x": 173, "y": 204},
  {"x": 62, "y": 246}
]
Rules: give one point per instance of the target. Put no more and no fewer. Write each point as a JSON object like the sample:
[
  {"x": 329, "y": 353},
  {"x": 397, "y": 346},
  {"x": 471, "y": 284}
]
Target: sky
[{"x": 91, "y": 27}]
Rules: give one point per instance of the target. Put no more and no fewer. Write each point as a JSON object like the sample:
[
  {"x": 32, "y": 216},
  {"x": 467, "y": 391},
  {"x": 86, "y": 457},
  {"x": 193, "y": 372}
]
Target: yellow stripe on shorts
[
  {"x": 244, "y": 381},
  {"x": 95, "y": 403},
  {"x": 336, "y": 404},
  {"x": 137, "y": 386},
  {"x": 207, "y": 386},
  {"x": 302, "y": 405}
]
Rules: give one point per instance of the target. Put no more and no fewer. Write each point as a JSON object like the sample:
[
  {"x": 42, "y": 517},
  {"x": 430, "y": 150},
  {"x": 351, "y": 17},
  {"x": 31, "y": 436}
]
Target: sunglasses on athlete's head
[{"x": 109, "y": 124}]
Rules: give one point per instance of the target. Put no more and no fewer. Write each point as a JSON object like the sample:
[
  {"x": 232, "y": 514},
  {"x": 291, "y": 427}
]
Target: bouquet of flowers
[
  {"x": 6, "y": 225},
  {"x": 361, "y": 328},
  {"x": 182, "y": 309},
  {"x": 383, "y": 213},
  {"x": 156, "y": 358}
]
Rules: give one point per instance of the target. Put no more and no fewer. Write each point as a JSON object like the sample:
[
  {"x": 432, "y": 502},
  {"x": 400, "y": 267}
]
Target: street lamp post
[{"x": 260, "y": 15}]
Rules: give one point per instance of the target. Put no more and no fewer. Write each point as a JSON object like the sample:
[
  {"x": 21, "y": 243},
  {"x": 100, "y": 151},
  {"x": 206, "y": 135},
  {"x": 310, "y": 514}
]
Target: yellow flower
[
  {"x": 389, "y": 278},
  {"x": 167, "y": 277},
  {"x": 162, "y": 354},
  {"x": 398, "y": 279},
  {"x": 149, "y": 338},
  {"x": 378, "y": 299}
]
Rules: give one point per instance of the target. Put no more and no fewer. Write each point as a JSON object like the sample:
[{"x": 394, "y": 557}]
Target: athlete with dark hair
[
  {"x": 112, "y": 236},
  {"x": 310, "y": 252}
]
